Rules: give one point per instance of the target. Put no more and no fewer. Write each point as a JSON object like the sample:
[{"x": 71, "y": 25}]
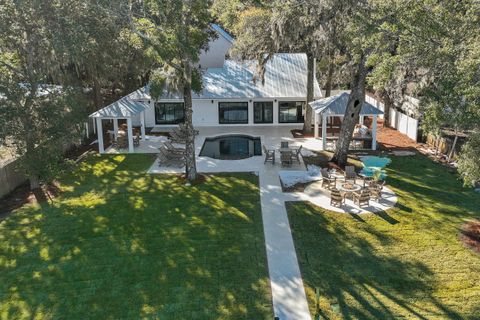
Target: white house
[{"x": 232, "y": 94}]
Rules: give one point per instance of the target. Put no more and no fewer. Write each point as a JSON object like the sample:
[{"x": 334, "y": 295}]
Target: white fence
[
  {"x": 398, "y": 120},
  {"x": 404, "y": 124},
  {"x": 376, "y": 103}
]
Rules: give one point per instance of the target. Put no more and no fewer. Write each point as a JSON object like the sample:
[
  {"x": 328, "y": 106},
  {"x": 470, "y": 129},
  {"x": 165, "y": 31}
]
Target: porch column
[
  {"x": 101, "y": 149},
  {"x": 87, "y": 132},
  {"x": 315, "y": 125},
  {"x": 142, "y": 124},
  {"x": 115, "y": 128},
  {"x": 374, "y": 133},
  {"x": 130, "y": 135},
  {"x": 361, "y": 119},
  {"x": 324, "y": 131}
]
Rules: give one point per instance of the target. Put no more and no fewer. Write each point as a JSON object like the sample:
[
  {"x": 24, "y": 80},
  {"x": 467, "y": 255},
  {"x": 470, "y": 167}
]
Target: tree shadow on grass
[
  {"x": 357, "y": 280},
  {"x": 120, "y": 243}
]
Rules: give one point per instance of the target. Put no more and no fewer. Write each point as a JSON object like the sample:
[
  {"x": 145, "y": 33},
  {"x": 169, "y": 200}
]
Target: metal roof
[
  {"x": 222, "y": 32},
  {"x": 337, "y": 104},
  {"x": 123, "y": 108},
  {"x": 285, "y": 77}
]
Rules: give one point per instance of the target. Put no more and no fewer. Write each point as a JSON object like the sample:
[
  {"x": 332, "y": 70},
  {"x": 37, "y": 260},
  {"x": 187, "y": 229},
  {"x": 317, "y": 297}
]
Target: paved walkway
[{"x": 288, "y": 293}]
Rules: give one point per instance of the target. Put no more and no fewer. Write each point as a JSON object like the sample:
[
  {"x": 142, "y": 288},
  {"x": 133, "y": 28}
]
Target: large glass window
[
  {"x": 290, "y": 111},
  {"x": 263, "y": 112},
  {"x": 169, "y": 112},
  {"x": 232, "y": 112}
]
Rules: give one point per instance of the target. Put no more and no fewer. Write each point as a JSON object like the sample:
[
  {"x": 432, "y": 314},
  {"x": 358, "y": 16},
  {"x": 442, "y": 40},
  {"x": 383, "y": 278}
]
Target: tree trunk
[
  {"x": 34, "y": 182},
  {"x": 328, "y": 83},
  {"x": 307, "y": 123},
  {"x": 97, "y": 94},
  {"x": 351, "y": 117},
  {"x": 388, "y": 104},
  {"x": 450, "y": 154},
  {"x": 190, "y": 163}
]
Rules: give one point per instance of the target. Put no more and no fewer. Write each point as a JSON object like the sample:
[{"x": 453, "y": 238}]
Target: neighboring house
[{"x": 232, "y": 93}]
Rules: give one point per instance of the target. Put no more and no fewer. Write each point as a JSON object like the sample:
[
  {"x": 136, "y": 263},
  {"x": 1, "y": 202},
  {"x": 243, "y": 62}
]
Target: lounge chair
[
  {"x": 183, "y": 128},
  {"x": 328, "y": 182},
  {"x": 269, "y": 155},
  {"x": 336, "y": 198},
  {"x": 175, "y": 137},
  {"x": 297, "y": 153},
  {"x": 362, "y": 197},
  {"x": 350, "y": 174},
  {"x": 169, "y": 162},
  {"x": 286, "y": 158},
  {"x": 170, "y": 159},
  {"x": 171, "y": 148}
]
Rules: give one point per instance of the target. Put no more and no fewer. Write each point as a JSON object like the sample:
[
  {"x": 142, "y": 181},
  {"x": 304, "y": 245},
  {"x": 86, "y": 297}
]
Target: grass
[
  {"x": 407, "y": 262},
  {"x": 119, "y": 243}
]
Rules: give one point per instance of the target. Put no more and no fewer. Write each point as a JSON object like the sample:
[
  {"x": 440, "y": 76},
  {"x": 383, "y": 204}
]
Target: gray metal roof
[
  {"x": 222, "y": 32},
  {"x": 123, "y": 108},
  {"x": 285, "y": 77},
  {"x": 337, "y": 104}
]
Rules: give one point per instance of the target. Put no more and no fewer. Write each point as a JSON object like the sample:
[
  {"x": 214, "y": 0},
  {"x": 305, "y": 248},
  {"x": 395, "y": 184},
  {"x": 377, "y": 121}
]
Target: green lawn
[
  {"x": 403, "y": 263},
  {"x": 119, "y": 243}
]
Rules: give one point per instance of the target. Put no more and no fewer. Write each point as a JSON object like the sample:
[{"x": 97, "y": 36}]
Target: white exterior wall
[
  {"x": 214, "y": 57},
  {"x": 205, "y": 113}
]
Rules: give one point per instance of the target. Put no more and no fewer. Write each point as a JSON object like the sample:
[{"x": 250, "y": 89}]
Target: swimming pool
[{"x": 231, "y": 147}]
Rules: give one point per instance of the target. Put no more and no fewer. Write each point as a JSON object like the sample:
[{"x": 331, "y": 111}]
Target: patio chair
[
  {"x": 171, "y": 148},
  {"x": 362, "y": 197},
  {"x": 122, "y": 142},
  {"x": 297, "y": 153},
  {"x": 375, "y": 192},
  {"x": 284, "y": 144},
  {"x": 336, "y": 198},
  {"x": 350, "y": 174},
  {"x": 286, "y": 158},
  {"x": 269, "y": 155},
  {"x": 136, "y": 140},
  {"x": 328, "y": 182}
]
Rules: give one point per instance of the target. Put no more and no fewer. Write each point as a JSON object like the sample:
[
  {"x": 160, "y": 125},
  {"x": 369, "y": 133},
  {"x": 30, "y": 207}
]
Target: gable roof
[
  {"x": 222, "y": 32},
  {"x": 337, "y": 104},
  {"x": 123, "y": 108}
]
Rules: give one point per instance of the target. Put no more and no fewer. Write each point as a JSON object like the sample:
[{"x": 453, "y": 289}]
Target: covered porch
[
  {"x": 123, "y": 109},
  {"x": 329, "y": 113}
]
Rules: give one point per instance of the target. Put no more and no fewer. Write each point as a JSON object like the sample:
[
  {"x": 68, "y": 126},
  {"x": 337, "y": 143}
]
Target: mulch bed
[
  {"x": 23, "y": 195},
  {"x": 470, "y": 235}
]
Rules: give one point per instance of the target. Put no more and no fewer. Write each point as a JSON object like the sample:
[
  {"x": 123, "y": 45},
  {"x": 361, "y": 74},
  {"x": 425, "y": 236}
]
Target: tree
[
  {"x": 176, "y": 31},
  {"x": 435, "y": 56},
  {"x": 40, "y": 107},
  {"x": 468, "y": 160}
]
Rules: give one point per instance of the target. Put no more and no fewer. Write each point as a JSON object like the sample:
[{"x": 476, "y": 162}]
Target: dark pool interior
[{"x": 231, "y": 147}]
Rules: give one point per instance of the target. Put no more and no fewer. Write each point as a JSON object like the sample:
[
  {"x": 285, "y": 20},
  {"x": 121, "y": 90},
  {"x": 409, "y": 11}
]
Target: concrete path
[{"x": 288, "y": 293}]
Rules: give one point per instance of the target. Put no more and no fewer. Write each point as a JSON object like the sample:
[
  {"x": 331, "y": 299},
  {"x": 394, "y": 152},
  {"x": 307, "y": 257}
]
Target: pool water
[{"x": 231, "y": 147}]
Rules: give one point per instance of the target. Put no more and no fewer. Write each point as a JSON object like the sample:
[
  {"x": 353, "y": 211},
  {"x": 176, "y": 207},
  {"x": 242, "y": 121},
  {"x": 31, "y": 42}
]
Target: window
[
  {"x": 263, "y": 112},
  {"x": 290, "y": 111},
  {"x": 169, "y": 112},
  {"x": 232, "y": 112}
]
